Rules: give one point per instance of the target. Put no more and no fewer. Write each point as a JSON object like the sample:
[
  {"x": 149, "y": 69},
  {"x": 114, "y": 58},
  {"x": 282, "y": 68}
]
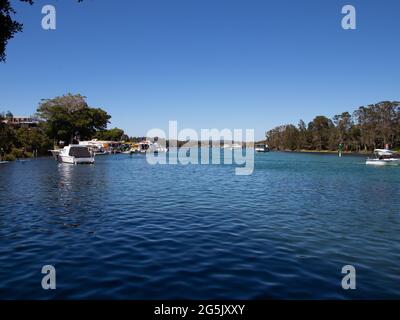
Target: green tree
[
  {"x": 7, "y": 135},
  {"x": 303, "y": 135},
  {"x": 69, "y": 116},
  {"x": 115, "y": 134},
  {"x": 32, "y": 139},
  {"x": 343, "y": 125},
  {"x": 320, "y": 129}
]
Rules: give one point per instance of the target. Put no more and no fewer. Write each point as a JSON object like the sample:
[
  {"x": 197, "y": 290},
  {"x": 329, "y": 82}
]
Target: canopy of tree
[
  {"x": 111, "y": 135},
  {"x": 8, "y": 26},
  {"x": 368, "y": 128},
  {"x": 69, "y": 116}
]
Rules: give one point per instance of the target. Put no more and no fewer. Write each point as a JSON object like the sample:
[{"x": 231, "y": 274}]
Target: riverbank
[{"x": 360, "y": 153}]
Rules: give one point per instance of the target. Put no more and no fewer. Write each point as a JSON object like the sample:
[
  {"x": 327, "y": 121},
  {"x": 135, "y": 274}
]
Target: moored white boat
[
  {"x": 261, "y": 148},
  {"x": 148, "y": 146},
  {"x": 76, "y": 154},
  {"x": 384, "y": 157}
]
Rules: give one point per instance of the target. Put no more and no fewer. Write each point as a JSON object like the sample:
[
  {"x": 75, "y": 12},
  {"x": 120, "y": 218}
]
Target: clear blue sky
[{"x": 206, "y": 63}]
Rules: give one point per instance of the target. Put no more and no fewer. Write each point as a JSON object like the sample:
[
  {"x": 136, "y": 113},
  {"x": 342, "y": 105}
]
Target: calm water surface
[{"x": 122, "y": 229}]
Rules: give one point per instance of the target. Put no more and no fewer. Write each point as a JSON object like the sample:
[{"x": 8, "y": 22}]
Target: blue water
[{"x": 123, "y": 229}]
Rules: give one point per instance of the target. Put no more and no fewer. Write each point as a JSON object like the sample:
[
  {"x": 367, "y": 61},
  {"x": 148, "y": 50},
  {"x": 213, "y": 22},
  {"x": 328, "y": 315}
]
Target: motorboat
[
  {"x": 76, "y": 154},
  {"x": 157, "y": 148},
  {"x": 384, "y": 157},
  {"x": 148, "y": 146},
  {"x": 100, "y": 152},
  {"x": 261, "y": 148}
]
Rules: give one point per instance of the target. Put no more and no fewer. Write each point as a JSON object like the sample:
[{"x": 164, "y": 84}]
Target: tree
[
  {"x": 320, "y": 129},
  {"x": 115, "y": 134},
  {"x": 8, "y": 26},
  {"x": 368, "y": 128},
  {"x": 343, "y": 124},
  {"x": 7, "y": 135},
  {"x": 303, "y": 135},
  {"x": 32, "y": 139},
  {"x": 69, "y": 116}
]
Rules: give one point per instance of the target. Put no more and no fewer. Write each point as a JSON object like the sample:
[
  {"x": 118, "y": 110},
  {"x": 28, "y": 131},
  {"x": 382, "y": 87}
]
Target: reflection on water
[{"x": 124, "y": 229}]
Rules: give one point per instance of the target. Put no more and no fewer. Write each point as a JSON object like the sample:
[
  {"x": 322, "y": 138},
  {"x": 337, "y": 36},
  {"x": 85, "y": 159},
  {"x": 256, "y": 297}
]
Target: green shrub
[
  {"x": 20, "y": 153},
  {"x": 9, "y": 157}
]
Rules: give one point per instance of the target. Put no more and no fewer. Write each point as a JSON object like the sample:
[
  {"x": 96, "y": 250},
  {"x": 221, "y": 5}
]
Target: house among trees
[{"x": 19, "y": 122}]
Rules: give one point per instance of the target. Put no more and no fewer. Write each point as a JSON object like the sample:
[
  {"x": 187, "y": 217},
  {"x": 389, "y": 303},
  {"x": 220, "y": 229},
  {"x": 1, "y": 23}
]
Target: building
[{"x": 22, "y": 121}]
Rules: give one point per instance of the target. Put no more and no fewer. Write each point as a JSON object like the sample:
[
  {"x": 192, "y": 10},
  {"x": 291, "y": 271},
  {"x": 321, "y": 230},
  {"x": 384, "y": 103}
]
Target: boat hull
[
  {"x": 73, "y": 160},
  {"x": 383, "y": 162}
]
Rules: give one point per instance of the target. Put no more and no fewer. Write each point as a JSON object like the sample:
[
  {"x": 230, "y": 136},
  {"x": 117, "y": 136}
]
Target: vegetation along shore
[
  {"x": 69, "y": 117},
  {"x": 367, "y": 128}
]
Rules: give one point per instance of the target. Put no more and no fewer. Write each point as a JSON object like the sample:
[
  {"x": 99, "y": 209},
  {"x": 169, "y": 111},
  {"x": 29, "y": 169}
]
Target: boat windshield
[{"x": 79, "y": 152}]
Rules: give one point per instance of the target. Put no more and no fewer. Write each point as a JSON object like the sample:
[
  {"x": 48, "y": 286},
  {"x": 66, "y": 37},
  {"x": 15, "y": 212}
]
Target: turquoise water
[{"x": 122, "y": 229}]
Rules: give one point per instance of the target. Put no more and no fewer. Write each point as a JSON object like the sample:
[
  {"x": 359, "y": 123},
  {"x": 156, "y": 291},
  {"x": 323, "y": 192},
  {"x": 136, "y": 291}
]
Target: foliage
[
  {"x": 115, "y": 134},
  {"x": 7, "y": 136},
  {"x": 65, "y": 116},
  {"x": 32, "y": 139},
  {"x": 69, "y": 116},
  {"x": 369, "y": 127}
]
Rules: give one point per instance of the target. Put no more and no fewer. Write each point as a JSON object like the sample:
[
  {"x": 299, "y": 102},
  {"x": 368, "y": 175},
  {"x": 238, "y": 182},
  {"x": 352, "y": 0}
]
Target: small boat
[
  {"x": 384, "y": 157},
  {"x": 76, "y": 154},
  {"x": 261, "y": 148},
  {"x": 3, "y": 162},
  {"x": 232, "y": 146},
  {"x": 101, "y": 152},
  {"x": 134, "y": 149}
]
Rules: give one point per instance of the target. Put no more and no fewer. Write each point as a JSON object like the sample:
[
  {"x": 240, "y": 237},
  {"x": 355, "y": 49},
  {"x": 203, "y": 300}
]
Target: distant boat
[
  {"x": 261, "y": 148},
  {"x": 75, "y": 154},
  {"x": 101, "y": 152},
  {"x": 384, "y": 157},
  {"x": 232, "y": 146},
  {"x": 3, "y": 162},
  {"x": 148, "y": 146}
]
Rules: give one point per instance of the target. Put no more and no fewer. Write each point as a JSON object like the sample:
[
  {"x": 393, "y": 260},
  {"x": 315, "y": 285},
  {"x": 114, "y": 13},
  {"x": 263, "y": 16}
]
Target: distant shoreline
[{"x": 355, "y": 153}]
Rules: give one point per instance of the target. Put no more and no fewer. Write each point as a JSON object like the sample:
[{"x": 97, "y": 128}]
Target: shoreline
[{"x": 353, "y": 153}]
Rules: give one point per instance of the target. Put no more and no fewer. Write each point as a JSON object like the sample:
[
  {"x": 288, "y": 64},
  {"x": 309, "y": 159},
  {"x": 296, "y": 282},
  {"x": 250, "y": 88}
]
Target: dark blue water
[{"x": 123, "y": 229}]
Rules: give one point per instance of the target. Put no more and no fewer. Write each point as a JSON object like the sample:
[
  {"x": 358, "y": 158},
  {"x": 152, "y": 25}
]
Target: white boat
[
  {"x": 100, "y": 152},
  {"x": 261, "y": 148},
  {"x": 76, "y": 154},
  {"x": 384, "y": 157},
  {"x": 148, "y": 146},
  {"x": 157, "y": 148},
  {"x": 99, "y": 148},
  {"x": 232, "y": 146}
]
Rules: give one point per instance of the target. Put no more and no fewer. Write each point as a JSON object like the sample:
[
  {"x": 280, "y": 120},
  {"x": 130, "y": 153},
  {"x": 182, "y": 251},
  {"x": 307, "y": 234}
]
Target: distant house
[{"x": 22, "y": 121}]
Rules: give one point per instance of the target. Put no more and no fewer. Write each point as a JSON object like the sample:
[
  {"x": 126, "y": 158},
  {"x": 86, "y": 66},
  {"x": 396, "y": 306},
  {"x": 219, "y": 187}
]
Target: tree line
[
  {"x": 367, "y": 128},
  {"x": 66, "y": 119}
]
